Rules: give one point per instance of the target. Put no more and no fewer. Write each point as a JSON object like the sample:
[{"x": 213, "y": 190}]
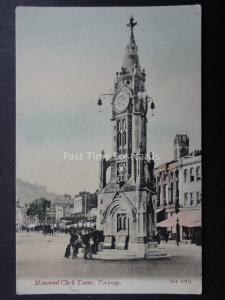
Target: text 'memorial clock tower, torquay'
[{"x": 126, "y": 202}]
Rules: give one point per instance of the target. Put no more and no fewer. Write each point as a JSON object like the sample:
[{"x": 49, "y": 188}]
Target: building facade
[
  {"x": 59, "y": 212},
  {"x": 179, "y": 186},
  {"x": 68, "y": 206},
  {"x": 190, "y": 181},
  {"x": 126, "y": 202},
  {"x": 92, "y": 214},
  {"x": 83, "y": 203}
]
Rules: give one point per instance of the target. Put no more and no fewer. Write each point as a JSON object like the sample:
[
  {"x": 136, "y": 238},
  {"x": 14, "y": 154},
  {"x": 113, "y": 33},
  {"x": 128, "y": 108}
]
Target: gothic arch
[{"x": 122, "y": 203}]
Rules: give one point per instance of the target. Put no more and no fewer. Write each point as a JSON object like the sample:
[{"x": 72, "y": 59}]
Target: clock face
[{"x": 121, "y": 101}]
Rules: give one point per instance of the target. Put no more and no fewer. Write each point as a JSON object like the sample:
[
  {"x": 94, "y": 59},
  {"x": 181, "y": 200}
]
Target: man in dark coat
[
  {"x": 95, "y": 239},
  {"x": 73, "y": 238},
  {"x": 77, "y": 244},
  {"x": 158, "y": 237},
  {"x": 87, "y": 247},
  {"x": 166, "y": 236}
]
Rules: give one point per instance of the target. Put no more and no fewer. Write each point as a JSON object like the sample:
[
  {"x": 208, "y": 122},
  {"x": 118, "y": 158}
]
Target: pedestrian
[
  {"x": 68, "y": 247},
  {"x": 158, "y": 238},
  {"x": 72, "y": 240},
  {"x": 96, "y": 242},
  {"x": 52, "y": 229},
  {"x": 77, "y": 244},
  {"x": 166, "y": 236},
  {"x": 67, "y": 252},
  {"x": 92, "y": 246},
  {"x": 87, "y": 247}
]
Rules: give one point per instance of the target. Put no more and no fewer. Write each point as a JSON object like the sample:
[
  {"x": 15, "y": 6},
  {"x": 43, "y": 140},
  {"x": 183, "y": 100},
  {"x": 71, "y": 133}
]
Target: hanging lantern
[
  {"x": 152, "y": 107},
  {"x": 99, "y": 103}
]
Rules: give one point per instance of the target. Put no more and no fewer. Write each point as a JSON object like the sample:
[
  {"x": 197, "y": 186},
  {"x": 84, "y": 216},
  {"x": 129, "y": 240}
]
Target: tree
[{"x": 39, "y": 208}]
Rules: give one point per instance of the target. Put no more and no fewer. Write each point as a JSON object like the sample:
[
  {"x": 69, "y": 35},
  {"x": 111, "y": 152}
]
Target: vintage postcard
[{"x": 108, "y": 150}]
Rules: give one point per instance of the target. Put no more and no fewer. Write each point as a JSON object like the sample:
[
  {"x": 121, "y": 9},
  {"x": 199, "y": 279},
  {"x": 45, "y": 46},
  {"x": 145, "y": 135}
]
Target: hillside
[{"x": 27, "y": 192}]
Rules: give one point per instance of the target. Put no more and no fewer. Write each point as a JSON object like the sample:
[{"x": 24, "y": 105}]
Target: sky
[{"x": 67, "y": 57}]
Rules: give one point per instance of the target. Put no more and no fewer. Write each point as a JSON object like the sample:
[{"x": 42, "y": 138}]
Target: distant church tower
[
  {"x": 181, "y": 146},
  {"x": 126, "y": 212}
]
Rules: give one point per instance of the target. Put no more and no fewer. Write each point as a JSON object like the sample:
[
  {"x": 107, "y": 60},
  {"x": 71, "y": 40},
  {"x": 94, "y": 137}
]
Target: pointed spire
[
  {"x": 131, "y": 24},
  {"x": 131, "y": 60}
]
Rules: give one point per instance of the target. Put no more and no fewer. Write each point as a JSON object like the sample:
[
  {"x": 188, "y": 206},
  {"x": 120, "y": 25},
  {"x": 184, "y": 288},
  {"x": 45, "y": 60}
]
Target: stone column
[
  {"x": 134, "y": 168},
  {"x": 174, "y": 192},
  {"x": 141, "y": 212},
  {"x": 181, "y": 233},
  {"x": 136, "y": 132},
  {"x": 102, "y": 173},
  {"x": 141, "y": 227}
]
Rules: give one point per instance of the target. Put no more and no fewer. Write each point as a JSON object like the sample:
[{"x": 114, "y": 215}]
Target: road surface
[{"x": 42, "y": 256}]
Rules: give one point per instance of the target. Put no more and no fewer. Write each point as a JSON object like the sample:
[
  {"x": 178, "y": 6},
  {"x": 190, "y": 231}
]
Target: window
[
  {"x": 183, "y": 152},
  {"x": 191, "y": 175},
  {"x": 185, "y": 175},
  {"x": 164, "y": 191},
  {"x": 198, "y": 198},
  {"x": 124, "y": 223},
  {"x": 121, "y": 222},
  {"x": 191, "y": 199},
  {"x": 198, "y": 175},
  {"x": 185, "y": 199},
  {"x": 175, "y": 153}
]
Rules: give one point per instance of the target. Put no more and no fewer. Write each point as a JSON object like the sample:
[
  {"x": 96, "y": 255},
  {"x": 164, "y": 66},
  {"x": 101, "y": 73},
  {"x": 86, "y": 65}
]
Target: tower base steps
[{"x": 150, "y": 251}]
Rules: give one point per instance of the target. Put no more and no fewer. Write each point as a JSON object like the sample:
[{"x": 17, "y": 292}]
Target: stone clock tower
[{"x": 126, "y": 208}]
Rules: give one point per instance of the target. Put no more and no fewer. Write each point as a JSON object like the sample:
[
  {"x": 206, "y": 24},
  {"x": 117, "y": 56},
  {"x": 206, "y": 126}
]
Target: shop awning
[
  {"x": 196, "y": 224},
  {"x": 187, "y": 218},
  {"x": 168, "y": 222}
]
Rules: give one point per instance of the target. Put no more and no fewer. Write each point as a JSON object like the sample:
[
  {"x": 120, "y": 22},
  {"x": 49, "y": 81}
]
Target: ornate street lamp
[
  {"x": 99, "y": 103},
  {"x": 142, "y": 95}
]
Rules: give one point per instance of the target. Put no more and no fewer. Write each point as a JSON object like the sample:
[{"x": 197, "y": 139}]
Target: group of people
[
  {"x": 165, "y": 236},
  {"x": 160, "y": 236},
  {"x": 87, "y": 241}
]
